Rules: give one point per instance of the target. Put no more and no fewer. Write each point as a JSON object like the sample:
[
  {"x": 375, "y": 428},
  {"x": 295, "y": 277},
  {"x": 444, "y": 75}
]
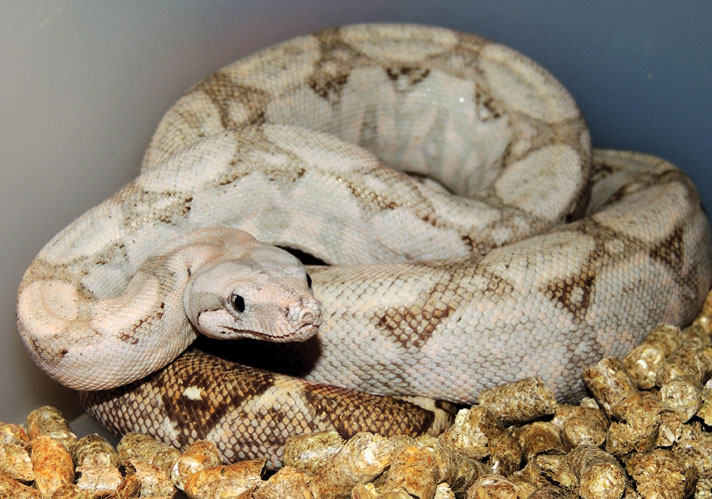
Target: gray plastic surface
[{"x": 83, "y": 84}]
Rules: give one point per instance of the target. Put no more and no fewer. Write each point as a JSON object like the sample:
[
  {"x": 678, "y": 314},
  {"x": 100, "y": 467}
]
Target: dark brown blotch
[
  {"x": 328, "y": 87},
  {"x": 413, "y": 326},
  {"x": 223, "y": 91},
  {"x": 670, "y": 250},
  {"x": 129, "y": 335},
  {"x": 350, "y": 412},
  {"x": 411, "y": 75},
  {"x": 209, "y": 376},
  {"x": 574, "y": 293}
]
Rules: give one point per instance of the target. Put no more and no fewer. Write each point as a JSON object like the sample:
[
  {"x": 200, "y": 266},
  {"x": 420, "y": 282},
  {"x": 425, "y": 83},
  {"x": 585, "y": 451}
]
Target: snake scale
[{"x": 472, "y": 238}]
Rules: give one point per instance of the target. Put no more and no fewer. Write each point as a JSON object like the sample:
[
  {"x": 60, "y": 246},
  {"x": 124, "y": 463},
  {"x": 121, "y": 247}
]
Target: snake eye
[
  {"x": 309, "y": 280},
  {"x": 238, "y": 302}
]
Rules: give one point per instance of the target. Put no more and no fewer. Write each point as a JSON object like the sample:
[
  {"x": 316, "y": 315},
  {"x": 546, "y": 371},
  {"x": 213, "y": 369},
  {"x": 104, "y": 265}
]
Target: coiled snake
[{"x": 508, "y": 252}]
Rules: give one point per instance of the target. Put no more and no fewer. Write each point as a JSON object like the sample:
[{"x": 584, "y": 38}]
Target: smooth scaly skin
[{"x": 430, "y": 294}]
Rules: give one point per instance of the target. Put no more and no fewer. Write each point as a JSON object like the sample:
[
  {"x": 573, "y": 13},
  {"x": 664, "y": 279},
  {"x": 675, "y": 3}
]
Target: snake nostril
[{"x": 306, "y": 317}]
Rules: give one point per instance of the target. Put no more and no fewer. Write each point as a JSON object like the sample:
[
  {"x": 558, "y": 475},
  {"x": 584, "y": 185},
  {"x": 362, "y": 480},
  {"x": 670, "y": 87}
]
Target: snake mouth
[
  {"x": 300, "y": 334},
  {"x": 306, "y": 331}
]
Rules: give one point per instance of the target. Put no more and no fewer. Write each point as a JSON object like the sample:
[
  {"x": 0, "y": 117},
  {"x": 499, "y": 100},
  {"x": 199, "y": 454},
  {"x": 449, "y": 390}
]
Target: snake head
[{"x": 263, "y": 292}]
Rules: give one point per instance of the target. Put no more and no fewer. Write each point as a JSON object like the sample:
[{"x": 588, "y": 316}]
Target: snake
[{"x": 463, "y": 233}]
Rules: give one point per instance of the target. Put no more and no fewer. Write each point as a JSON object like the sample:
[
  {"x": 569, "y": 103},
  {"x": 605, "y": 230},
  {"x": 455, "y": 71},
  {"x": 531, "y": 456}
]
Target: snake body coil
[{"x": 510, "y": 252}]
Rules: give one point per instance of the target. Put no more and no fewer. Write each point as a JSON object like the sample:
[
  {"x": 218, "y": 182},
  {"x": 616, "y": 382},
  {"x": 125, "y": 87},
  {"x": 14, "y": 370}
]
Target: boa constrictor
[{"x": 507, "y": 252}]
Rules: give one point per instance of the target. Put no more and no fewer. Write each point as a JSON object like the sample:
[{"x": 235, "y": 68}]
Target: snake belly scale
[{"x": 472, "y": 239}]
